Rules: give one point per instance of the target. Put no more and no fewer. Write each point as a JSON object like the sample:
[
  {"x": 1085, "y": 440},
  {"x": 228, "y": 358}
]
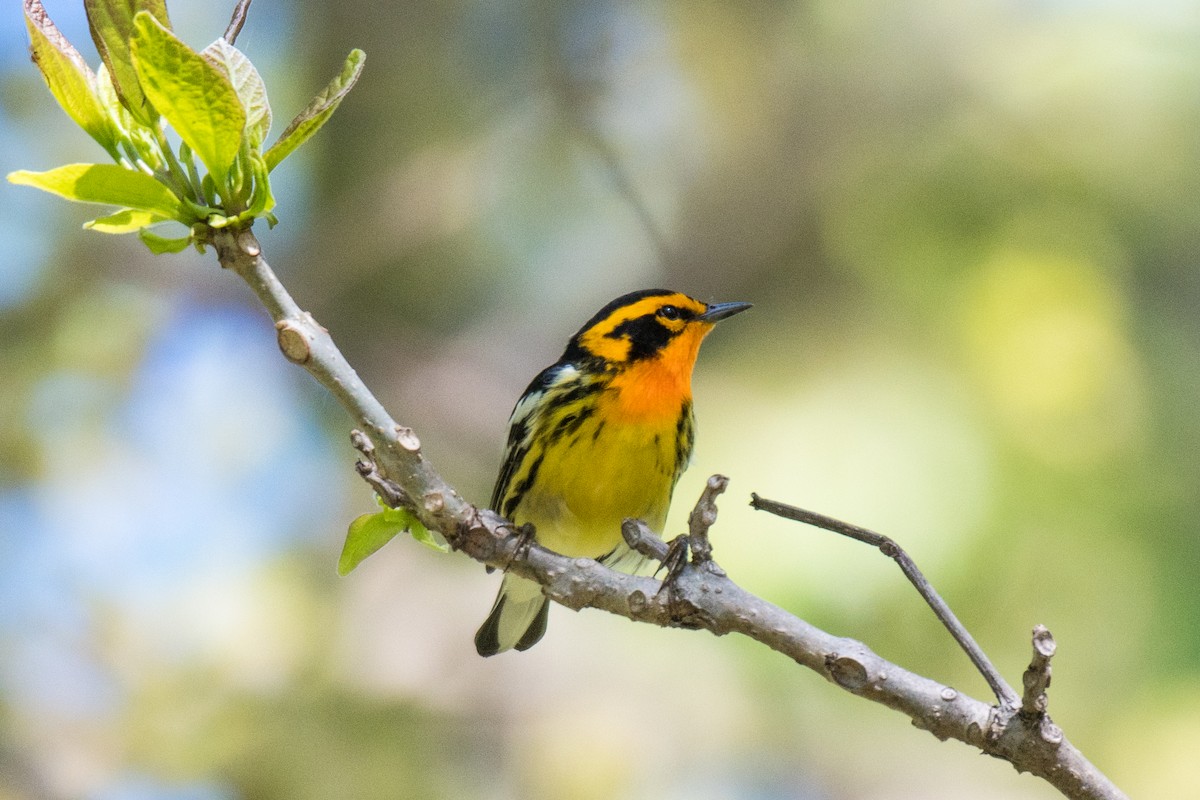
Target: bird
[{"x": 601, "y": 435}]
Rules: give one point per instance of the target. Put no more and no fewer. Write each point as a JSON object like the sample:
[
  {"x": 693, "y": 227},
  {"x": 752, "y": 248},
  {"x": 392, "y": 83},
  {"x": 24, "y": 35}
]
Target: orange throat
[{"x": 655, "y": 388}]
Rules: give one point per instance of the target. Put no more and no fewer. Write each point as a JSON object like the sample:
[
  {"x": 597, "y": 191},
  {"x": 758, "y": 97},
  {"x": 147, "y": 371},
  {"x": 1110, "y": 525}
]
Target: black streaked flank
[
  {"x": 521, "y": 488},
  {"x": 516, "y": 456},
  {"x": 571, "y": 423},
  {"x": 548, "y": 382},
  {"x": 685, "y": 438}
]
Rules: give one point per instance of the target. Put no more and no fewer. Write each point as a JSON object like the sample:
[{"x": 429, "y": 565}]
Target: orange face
[
  {"x": 649, "y": 341},
  {"x": 655, "y": 387}
]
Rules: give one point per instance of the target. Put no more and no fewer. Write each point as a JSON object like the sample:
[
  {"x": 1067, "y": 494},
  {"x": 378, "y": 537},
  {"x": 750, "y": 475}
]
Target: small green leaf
[
  {"x": 370, "y": 532},
  {"x": 104, "y": 183},
  {"x": 192, "y": 94},
  {"x": 111, "y": 24},
  {"x": 127, "y": 220},
  {"x": 318, "y": 111},
  {"x": 70, "y": 79},
  {"x": 160, "y": 244},
  {"x": 247, "y": 83},
  {"x": 367, "y": 534}
]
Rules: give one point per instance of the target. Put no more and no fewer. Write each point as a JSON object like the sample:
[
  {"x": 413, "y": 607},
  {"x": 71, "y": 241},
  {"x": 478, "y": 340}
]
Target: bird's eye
[{"x": 669, "y": 312}]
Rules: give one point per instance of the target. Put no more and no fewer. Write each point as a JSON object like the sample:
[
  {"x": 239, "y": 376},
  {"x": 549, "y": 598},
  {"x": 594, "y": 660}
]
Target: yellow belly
[{"x": 588, "y": 484}]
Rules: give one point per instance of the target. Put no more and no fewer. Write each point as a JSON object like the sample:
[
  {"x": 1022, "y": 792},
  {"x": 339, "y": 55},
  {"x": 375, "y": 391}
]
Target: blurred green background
[{"x": 969, "y": 230}]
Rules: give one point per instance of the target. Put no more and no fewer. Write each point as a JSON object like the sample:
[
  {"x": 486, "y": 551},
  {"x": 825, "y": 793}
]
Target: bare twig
[
  {"x": 1036, "y": 681},
  {"x": 698, "y": 597},
  {"x": 390, "y": 492},
  {"x": 1037, "y": 677},
  {"x": 1005, "y": 694},
  {"x": 703, "y": 516},
  {"x": 237, "y": 21}
]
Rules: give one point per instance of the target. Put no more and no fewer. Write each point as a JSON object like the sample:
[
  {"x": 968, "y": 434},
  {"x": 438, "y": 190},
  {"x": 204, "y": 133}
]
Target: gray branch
[
  {"x": 699, "y": 596},
  {"x": 1005, "y": 695}
]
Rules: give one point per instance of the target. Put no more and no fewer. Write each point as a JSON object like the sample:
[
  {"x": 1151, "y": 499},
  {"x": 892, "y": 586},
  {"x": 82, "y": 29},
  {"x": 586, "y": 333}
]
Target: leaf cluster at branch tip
[{"x": 150, "y": 89}]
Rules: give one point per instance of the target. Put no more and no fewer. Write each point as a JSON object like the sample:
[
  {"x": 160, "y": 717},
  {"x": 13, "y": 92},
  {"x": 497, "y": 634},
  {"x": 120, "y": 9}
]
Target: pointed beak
[{"x": 719, "y": 311}]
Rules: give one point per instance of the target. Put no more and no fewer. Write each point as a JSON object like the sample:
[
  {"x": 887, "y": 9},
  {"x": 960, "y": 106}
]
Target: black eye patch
[{"x": 646, "y": 335}]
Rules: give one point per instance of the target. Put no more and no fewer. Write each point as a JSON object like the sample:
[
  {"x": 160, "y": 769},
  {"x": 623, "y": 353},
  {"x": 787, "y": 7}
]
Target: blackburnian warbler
[{"x": 601, "y": 435}]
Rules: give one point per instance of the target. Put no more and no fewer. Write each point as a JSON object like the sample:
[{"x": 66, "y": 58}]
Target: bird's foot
[{"x": 674, "y": 560}]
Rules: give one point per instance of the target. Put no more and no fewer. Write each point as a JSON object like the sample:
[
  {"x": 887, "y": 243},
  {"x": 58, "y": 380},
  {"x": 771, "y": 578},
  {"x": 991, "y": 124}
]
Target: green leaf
[
  {"x": 111, "y": 24},
  {"x": 192, "y": 94},
  {"x": 70, "y": 79},
  {"x": 318, "y": 111},
  {"x": 127, "y": 220},
  {"x": 249, "y": 87},
  {"x": 370, "y": 532},
  {"x": 367, "y": 534},
  {"x": 106, "y": 93},
  {"x": 160, "y": 244},
  {"x": 104, "y": 183}
]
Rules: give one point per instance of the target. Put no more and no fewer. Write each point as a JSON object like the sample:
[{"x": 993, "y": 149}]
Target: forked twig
[
  {"x": 1005, "y": 694},
  {"x": 1036, "y": 681}
]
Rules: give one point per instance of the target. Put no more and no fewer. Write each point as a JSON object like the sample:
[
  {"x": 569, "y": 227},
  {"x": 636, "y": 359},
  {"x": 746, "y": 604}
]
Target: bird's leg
[
  {"x": 674, "y": 560},
  {"x": 671, "y": 557},
  {"x": 526, "y": 537}
]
